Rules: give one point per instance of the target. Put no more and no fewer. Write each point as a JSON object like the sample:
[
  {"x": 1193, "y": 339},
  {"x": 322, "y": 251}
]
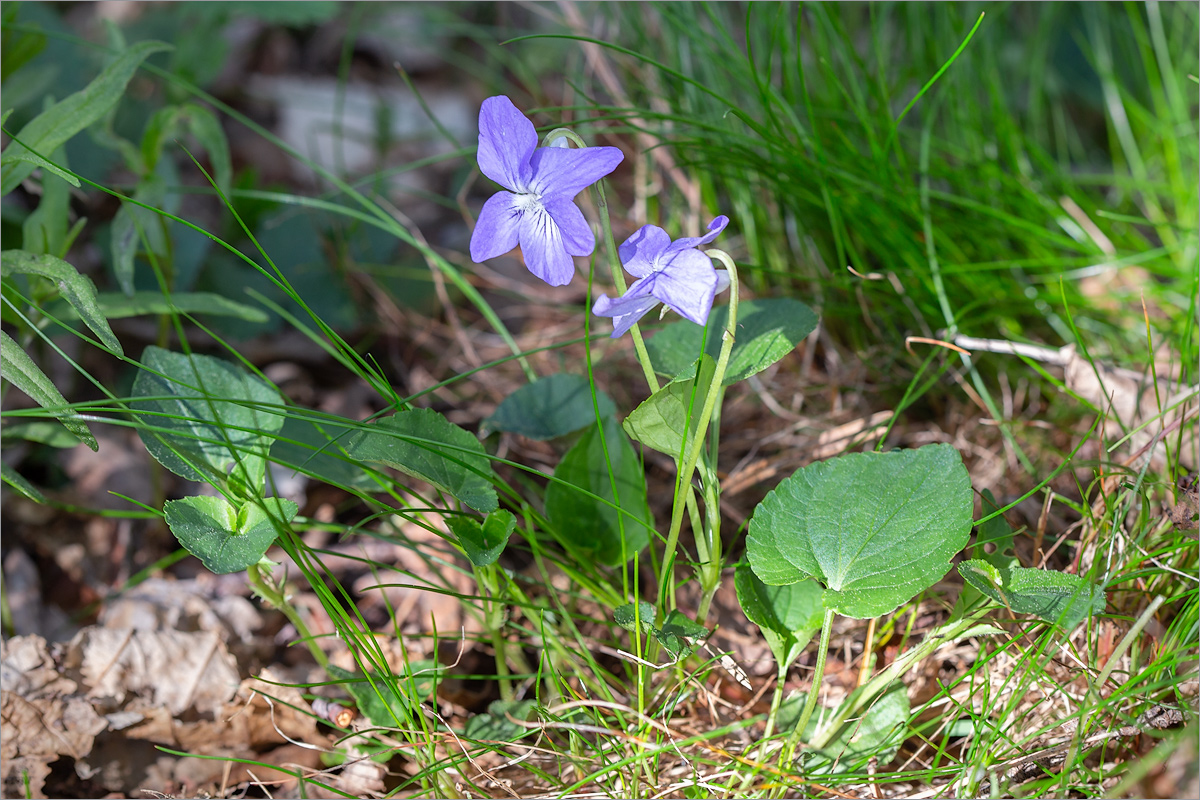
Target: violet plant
[{"x": 858, "y": 535}]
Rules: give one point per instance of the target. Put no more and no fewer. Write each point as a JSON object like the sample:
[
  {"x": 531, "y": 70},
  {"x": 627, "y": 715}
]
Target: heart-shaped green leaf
[
  {"x": 1053, "y": 596},
  {"x": 873, "y": 528},
  {"x": 597, "y": 522},
  {"x": 767, "y": 330},
  {"x": 788, "y": 615},
  {"x": 207, "y": 416},
  {"x": 550, "y": 407},
  {"x": 660, "y": 421},
  {"x": 224, "y": 538},
  {"x": 426, "y": 445},
  {"x": 484, "y": 543}
]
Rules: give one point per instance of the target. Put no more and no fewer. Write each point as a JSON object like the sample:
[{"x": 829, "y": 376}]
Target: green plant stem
[
  {"x": 814, "y": 691},
  {"x": 272, "y": 595},
  {"x": 693, "y": 456},
  {"x": 710, "y": 566},
  {"x": 493, "y": 613},
  {"x": 948, "y": 632}
]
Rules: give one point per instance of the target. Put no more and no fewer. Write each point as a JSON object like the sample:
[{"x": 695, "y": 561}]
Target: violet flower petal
[
  {"x": 567, "y": 172},
  {"x": 496, "y": 230},
  {"x": 687, "y": 285},
  {"x": 640, "y": 251},
  {"x": 507, "y": 141},
  {"x": 627, "y": 309},
  {"x": 542, "y": 245},
  {"x": 714, "y": 230},
  {"x": 577, "y": 235}
]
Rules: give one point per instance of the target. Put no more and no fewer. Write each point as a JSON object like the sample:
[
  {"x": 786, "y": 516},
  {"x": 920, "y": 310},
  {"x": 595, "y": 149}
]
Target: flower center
[{"x": 529, "y": 202}]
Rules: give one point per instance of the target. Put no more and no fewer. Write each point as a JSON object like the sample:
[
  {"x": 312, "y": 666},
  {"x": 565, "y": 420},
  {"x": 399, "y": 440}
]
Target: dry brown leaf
[
  {"x": 40, "y": 718},
  {"x": 177, "y": 670}
]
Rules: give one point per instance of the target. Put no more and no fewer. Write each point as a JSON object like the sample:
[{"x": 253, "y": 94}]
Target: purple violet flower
[
  {"x": 537, "y": 211},
  {"x": 674, "y": 273}
]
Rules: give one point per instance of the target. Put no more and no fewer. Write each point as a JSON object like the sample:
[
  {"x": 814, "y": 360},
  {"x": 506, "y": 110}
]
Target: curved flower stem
[{"x": 689, "y": 466}]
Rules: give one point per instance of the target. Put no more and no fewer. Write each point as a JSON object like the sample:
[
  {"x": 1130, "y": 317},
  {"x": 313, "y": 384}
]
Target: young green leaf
[
  {"x": 659, "y": 422},
  {"x": 767, "y": 330},
  {"x": 1056, "y": 597},
  {"x": 45, "y": 132},
  {"x": 873, "y": 528},
  {"x": 207, "y": 416},
  {"x": 484, "y": 543},
  {"x": 595, "y": 526},
  {"x": 995, "y": 533},
  {"x": 788, "y": 615},
  {"x": 18, "y": 369},
  {"x": 550, "y": 407},
  {"x": 224, "y": 538},
  {"x": 76, "y": 289},
  {"x": 629, "y": 616},
  {"x": 424, "y": 444},
  {"x": 680, "y": 635},
  {"x": 45, "y": 230}
]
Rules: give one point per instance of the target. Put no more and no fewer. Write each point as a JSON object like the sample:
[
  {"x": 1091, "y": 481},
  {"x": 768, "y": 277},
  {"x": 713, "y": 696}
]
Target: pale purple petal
[
  {"x": 627, "y": 309},
  {"x": 722, "y": 280},
  {"x": 545, "y": 251},
  {"x": 496, "y": 230},
  {"x": 687, "y": 285},
  {"x": 506, "y": 143},
  {"x": 576, "y": 234},
  {"x": 566, "y": 173},
  {"x": 714, "y": 230},
  {"x": 640, "y": 252}
]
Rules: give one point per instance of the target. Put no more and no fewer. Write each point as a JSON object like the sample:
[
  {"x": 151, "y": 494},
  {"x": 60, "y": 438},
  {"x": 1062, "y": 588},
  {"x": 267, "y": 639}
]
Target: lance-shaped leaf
[
  {"x": 45, "y": 132},
  {"x": 873, "y": 528},
  {"x": 424, "y": 444},
  {"x": 206, "y": 417},
  {"x": 76, "y": 289},
  {"x": 1056, "y": 597},
  {"x": 19, "y": 370}
]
